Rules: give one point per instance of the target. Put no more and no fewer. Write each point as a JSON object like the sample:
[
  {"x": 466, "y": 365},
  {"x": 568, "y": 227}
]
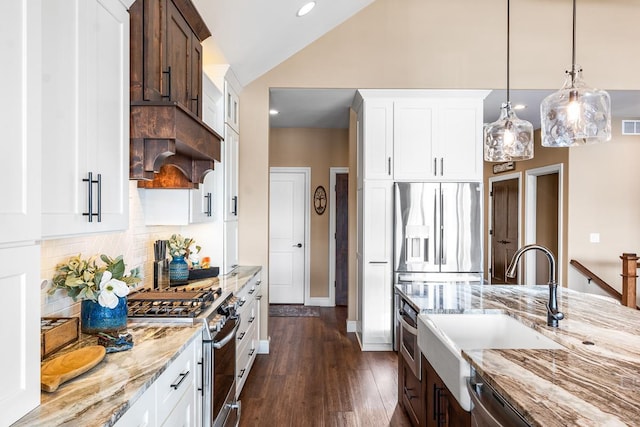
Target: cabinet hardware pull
[
  {"x": 258, "y": 297},
  {"x": 235, "y": 206},
  {"x": 179, "y": 380},
  {"x": 241, "y": 374},
  {"x": 241, "y": 302},
  {"x": 408, "y": 394},
  {"x": 197, "y": 105},
  {"x": 377, "y": 262},
  {"x": 201, "y": 388},
  {"x": 253, "y": 350},
  {"x": 207, "y": 196},
  {"x": 441, "y": 166},
  {"x": 241, "y": 336},
  {"x": 435, "y": 166},
  {"x": 168, "y": 73},
  {"x": 90, "y": 181},
  {"x": 251, "y": 291},
  {"x": 258, "y": 282},
  {"x": 252, "y": 318},
  {"x": 389, "y": 166}
]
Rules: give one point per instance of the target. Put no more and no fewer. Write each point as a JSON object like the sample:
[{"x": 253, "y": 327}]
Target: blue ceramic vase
[
  {"x": 178, "y": 271},
  {"x": 96, "y": 318}
]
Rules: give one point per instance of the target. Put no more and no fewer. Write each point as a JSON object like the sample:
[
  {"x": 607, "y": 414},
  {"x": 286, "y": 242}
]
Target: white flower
[{"x": 110, "y": 290}]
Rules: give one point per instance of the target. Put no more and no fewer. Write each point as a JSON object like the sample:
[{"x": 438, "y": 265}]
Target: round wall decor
[{"x": 320, "y": 200}]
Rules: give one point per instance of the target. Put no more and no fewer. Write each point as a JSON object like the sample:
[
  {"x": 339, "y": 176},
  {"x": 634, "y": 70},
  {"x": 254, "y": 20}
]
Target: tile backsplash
[{"x": 135, "y": 244}]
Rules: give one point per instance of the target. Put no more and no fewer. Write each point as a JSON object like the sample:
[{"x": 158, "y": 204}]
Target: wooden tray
[
  {"x": 56, "y": 332},
  {"x": 68, "y": 366}
]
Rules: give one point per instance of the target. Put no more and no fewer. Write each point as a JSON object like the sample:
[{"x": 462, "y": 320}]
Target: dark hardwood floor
[{"x": 316, "y": 375}]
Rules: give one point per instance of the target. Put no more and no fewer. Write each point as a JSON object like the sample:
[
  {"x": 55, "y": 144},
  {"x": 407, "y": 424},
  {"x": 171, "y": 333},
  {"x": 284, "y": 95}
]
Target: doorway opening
[{"x": 543, "y": 219}]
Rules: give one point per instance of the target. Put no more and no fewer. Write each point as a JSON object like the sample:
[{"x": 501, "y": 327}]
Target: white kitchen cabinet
[
  {"x": 212, "y": 105},
  {"x": 202, "y": 205},
  {"x": 438, "y": 138},
  {"x": 248, "y": 335},
  {"x": 231, "y": 142},
  {"x": 19, "y": 285},
  {"x": 376, "y": 266},
  {"x": 414, "y": 127},
  {"x": 377, "y": 132},
  {"x": 232, "y": 106},
  {"x": 85, "y": 126},
  {"x": 230, "y": 236},
  {"x": 173, "y": 399},
  {"x": 20, "y": 82}
]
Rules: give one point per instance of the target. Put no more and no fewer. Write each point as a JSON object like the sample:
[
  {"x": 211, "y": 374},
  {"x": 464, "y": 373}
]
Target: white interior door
[{"x": 287, "y": 245}]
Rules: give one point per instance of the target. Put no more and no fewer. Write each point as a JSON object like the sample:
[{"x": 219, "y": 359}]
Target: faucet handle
[{"x": 555, "y": 313}]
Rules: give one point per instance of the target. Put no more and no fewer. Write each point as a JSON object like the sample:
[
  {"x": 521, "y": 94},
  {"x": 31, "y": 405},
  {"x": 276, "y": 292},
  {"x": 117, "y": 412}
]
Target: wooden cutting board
[{"x": 68, "y": 366}]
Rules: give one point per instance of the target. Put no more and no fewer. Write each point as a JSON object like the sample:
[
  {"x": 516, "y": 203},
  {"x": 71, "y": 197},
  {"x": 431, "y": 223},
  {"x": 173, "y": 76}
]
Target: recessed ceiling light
[
  {"x": 273, "y": 112},
  {"x": 306, "y": 8},
  {"x": 519, "y": 107}
]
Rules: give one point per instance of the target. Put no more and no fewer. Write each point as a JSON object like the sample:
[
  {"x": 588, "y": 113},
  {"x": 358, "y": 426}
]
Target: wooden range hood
[{"x": 166, "y": 126}]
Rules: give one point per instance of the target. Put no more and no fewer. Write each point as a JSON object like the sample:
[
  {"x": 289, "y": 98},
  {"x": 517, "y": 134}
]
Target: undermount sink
[{"x": 441, "y": 337}]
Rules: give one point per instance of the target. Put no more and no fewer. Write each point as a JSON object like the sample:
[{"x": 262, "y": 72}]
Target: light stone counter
[
  {"x": 594, "y": 382},
  {"x": 100, "y": 396}
]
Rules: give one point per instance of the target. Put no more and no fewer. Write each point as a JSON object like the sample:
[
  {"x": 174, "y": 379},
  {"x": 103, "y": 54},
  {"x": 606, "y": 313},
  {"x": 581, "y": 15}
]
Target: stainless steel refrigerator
[{"x": 438, "y": 231}]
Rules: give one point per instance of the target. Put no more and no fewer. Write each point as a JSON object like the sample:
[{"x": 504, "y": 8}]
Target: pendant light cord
[
  {"x": 508, "y": 49},
  {"x": 573, "y": 47}
]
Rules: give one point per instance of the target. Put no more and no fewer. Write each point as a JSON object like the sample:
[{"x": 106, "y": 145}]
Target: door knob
[{"x": 299, "y": 245}]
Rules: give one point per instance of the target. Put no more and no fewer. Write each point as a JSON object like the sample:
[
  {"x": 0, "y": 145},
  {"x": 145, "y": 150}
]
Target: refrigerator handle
[
  {"x": 441, "y": 166},
  {"x": 435, "y": 166},
  {"x": 442, "y": 239}
]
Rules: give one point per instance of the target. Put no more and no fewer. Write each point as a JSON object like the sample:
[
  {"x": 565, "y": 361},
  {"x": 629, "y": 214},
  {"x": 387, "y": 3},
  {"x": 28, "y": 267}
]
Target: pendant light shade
[
  {"x": 576, "y": 114},
  {"x": 508, "y": 138}
]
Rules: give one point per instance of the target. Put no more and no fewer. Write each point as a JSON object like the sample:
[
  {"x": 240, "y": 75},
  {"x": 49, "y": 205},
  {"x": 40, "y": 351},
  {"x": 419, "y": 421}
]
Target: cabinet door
[
  {"x": 20, "y": 120},
  {"x": 232, "y": 105},
  {"x": 202, "y": 200},
  {"x": 21, "y": 364},
  {"x": 231, "y": 173},
  {"x": 148, "y": 82},
  {"x": 85, "y": 101},
  {"x": 377, "y": 274},
  {"x": 178, "y": 55},
  {"x": 412, "y": 398},
  {"x": 183, "y": 414},
  {"x": 195, "y": 87},
  {"x": 230, "y": 260},
  {"x": 414, "y": 127},
  {"x": 460, "y": 139},
  {"x": 377, "y": 139}
]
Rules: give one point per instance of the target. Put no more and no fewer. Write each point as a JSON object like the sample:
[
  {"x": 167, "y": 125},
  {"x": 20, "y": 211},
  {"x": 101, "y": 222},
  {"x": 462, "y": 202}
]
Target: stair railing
[{"x": 629, "y": 279}]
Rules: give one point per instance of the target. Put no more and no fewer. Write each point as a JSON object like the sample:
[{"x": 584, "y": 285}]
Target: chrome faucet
[{"x": 553, "y": 315}]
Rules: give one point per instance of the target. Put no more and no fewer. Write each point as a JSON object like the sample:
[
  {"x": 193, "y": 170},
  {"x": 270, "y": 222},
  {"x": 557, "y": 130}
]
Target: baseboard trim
[
  {"x": 319, "y": 302},
  {"x": 263, "y": 346},
  {"x": 352, "y": 326}
]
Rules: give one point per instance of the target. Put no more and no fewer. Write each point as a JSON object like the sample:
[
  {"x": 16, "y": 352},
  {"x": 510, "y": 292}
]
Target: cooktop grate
[{"x": 183, "y": 303}]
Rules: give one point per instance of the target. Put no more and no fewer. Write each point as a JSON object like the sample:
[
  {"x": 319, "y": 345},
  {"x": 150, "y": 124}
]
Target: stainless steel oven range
[{"x": 217, "y": 310}]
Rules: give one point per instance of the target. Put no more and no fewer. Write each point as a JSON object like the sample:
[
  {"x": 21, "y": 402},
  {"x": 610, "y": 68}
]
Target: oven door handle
[
  {"x": 224, "y": 341},
  {"x": 408, "y": 327}
]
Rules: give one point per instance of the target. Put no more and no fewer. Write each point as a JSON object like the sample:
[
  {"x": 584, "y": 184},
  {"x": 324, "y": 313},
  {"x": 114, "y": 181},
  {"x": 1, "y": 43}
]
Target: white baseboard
[
  {"x": 263, "y": 346},
  {"x": 320, "y": 302},
  {"x": 352, "y": 326}
]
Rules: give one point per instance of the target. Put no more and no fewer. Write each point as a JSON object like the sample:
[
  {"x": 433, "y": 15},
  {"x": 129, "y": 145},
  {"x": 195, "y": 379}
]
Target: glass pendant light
[
  {"x": 576, "y": 114},
  {"x": 508, "y": 138}
]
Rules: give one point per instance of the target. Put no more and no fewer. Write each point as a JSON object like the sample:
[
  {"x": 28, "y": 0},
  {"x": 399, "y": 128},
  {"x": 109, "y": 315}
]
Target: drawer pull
[
  {"x": 179, "y": 380},
  {"x": 253, "y": 350},
  {"x": 241, "y": 336},
  {"x": 252, "y": 318},
  {"x": 258, "y": 282},
  {"x": 252, "y": 291},
  {"x": 258, "y": 297},
  {"x": 241, "y": 302},
  {"x": 241, "y": 374}
]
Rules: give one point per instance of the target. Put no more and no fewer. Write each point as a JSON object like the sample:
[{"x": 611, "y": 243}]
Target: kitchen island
[
  {"x": 101, "y": 396},
  {"x": 594, "y": 380}
]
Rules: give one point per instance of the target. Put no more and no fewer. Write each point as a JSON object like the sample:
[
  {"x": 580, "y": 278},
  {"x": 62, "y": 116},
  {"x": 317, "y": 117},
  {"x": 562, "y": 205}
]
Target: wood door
[
  {"x": 287, "y": 237},
  {"x": 504, "y": 229},
  {"x": 342, "y": 238},
  {"x": 179, "y": 52}
]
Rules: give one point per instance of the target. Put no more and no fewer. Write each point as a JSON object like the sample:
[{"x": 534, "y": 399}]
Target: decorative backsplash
[{"x": 135, "y": 244}]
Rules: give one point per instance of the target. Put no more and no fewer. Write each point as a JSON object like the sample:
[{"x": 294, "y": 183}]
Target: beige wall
[
  {"x": 435, "y": 44},
  {"x": 319, "y": 149}
]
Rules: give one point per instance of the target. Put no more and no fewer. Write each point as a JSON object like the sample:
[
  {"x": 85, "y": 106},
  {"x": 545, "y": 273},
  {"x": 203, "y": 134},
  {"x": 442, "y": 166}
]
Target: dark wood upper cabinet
[{"x": 166, "y": 90}]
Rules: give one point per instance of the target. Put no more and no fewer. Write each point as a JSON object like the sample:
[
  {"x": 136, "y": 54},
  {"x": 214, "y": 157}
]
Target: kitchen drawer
[
  {"x": 246, "y": 355},
  {"x": 247, "y": 318},
  {"x": 143, "y": 412},
  {"x": 178, "y": 379},
  {"x": 182, "y": 413}
]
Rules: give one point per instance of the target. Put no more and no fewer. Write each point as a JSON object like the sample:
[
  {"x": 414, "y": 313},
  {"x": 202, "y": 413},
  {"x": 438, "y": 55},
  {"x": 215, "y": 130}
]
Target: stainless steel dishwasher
[{"x": 488, "y": 408}]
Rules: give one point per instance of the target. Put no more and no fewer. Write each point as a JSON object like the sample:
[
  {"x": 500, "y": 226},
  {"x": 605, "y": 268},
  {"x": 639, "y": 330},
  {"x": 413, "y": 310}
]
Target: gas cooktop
[{"x": 179, "y": 304}]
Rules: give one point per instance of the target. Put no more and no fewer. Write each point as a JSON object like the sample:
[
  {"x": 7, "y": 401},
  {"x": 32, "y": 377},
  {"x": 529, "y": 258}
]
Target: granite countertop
[
  {"x": 100, "y": 396},
  {"x": 594, "y": 382}
]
